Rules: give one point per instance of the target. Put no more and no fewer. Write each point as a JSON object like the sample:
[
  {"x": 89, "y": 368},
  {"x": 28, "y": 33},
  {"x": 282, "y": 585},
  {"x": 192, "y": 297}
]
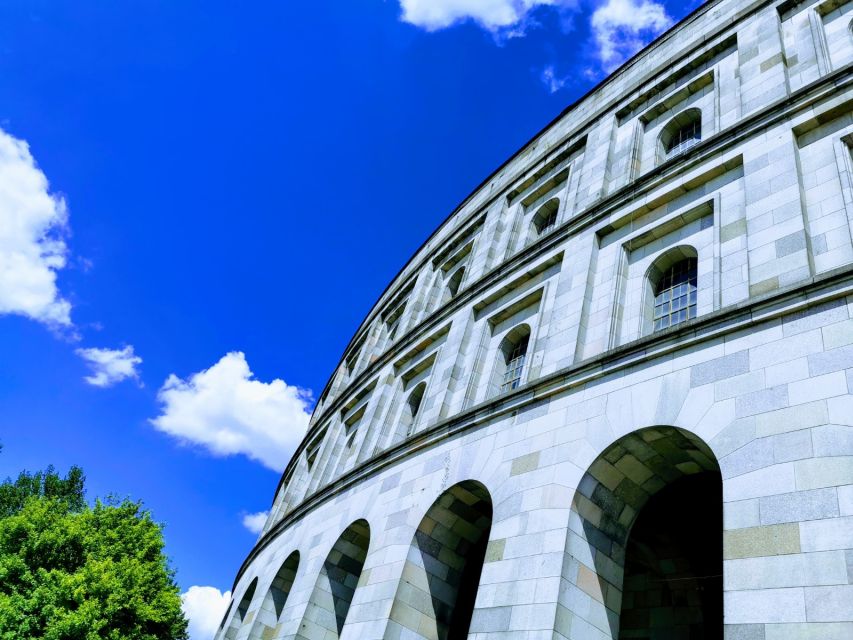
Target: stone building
[{"x": 610, "y": 397}]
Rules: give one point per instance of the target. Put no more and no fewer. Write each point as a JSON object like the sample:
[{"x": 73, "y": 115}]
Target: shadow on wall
[
  {"x": 646, "y": 539},
  {"x": 436, "y": 594},
  {"x": 330, "y": 601}
]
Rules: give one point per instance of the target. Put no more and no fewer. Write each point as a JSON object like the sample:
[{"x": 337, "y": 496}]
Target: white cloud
[
  {"x": 110, "y": 366},
  {"x": 227, "y": 411},
  {"x": 551, "y": 80},
  {"x": 32, "y": 221},
  {"x": 493, "y": 15},
  {"x": 255, "y": 522},
  {"x": 623, "y": 27},
  {"x": 204, "y": 608}
]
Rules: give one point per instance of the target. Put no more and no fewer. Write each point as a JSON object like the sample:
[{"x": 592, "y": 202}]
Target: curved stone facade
[{"x": 610, "y": 397}]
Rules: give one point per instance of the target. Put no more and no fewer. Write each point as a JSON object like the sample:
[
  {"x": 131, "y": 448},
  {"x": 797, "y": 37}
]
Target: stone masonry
[{"x": 612, "y": 395}]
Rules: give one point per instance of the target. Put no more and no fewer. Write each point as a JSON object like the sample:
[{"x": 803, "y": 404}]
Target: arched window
[
  {"x": 675, "y": 292},
  {"x": 681, "y": 133},
  {"x": 514, "y": 351},
  {"x": 412, "y": 407},
  {"x": 546, "y": 218},
  {"x": 454, "y": 282}
]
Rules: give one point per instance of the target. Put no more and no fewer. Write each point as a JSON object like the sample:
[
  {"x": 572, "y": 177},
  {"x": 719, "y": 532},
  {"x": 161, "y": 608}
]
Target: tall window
[
  {"x": 546, "y": 218},
  {"x": 412, "y": 407},
  {"x": 675, "y": 295},
  {"x": 454, "y": 282},
  {"x": 681, "y": 133},
  {"x": 515, "y": 357}
]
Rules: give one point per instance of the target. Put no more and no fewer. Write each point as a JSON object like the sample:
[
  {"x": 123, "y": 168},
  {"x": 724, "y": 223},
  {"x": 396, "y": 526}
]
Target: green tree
[
  {"x": 70, "y": 571},
  {"x": 44, "y": 484}
]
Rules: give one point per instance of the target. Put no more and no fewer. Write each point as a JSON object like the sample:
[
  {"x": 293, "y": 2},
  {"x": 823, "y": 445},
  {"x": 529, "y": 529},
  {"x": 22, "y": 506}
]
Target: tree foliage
[
  {"x": 70, "y": 571},
  {"x": 43, "y": 484}
]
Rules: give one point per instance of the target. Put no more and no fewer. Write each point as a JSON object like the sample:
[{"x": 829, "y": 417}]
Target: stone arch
[
  {"x": 437, "y": 590},
  {"x": 333, "y": 592},
  {"x": 239, "y": 616},
  {"x": 269, "y": 614},
  {"x": 618, "y": 565},
  {"x": 679, "y": 134}
]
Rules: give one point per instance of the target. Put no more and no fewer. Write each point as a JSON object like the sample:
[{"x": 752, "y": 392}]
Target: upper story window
[
  {"x": 681, "y": 133},
  {"x": 392, "y": 322},
  {"x": 412, "y": 407},
  {"x": 454, "y": 283},
  {"x": 352, "y": 357},
  {"x": 675, "y": 294},
  {"x": 546, "y": 218},
  {"x": 514, "y": 349}
]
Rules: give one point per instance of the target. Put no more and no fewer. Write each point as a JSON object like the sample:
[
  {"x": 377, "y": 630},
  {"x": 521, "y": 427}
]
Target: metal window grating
[
  {"x": 675, "y": 295},
  {"x": 684, "y": 138},
  {"x": 515, "y": 365},
  {"x": 547, "y": 223}
]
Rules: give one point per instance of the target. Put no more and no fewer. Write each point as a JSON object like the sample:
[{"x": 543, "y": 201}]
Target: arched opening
[
  {"x": 512, "y": 358},
  {"x": 239, "y": 617},
  {"x": 672, "y": 289},
  {"x": 332, "y": 596},
  {"x": 673, "y": 585},
  {"x": 680, "y": 133},
  {"x": 411, "y": 409},
  {"x": 437, "y": 591},
  {"x": 273, "y": 604},
  {"x": 647, "y": 538},
  {"x": 545, "y": 218}
]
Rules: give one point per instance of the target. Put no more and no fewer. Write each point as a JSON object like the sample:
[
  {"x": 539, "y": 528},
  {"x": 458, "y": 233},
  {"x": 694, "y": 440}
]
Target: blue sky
[{"x": 230, "y": 189}]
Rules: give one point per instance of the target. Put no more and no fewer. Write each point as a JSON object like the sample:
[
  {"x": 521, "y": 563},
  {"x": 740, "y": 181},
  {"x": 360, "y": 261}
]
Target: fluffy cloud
[
  {"x": 623, "y": 27},
  {"x": 255, "y": 522},
  {"x": 110, "y": 366},
  {"x": 551, "y": 80},
  {"x": 204, "y": 608},
  {"x": 32, "y": 221},
  {"x": 619, "y": 27},
  {"x": 493, "y": 15},
  {"x": 227, "y": 411}
]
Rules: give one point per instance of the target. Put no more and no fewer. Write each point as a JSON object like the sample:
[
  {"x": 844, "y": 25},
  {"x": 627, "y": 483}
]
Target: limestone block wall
[{"x": 450, "y": 487}]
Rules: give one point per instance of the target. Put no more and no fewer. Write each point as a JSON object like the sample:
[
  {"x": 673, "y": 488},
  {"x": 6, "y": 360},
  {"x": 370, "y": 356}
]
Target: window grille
[
  {"x": 675, "y": 295},
  {"x": 547, "y": 223},
  {"x": 546, "y": 217},
  {"x": 684, "y": 138},
  {"x": 515, "y": 365}
]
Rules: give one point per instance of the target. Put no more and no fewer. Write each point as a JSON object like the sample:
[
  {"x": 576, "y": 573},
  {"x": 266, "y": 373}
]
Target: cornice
[
  {"x": 720, "y": 142},
  {"x": 576, "y": 132}
]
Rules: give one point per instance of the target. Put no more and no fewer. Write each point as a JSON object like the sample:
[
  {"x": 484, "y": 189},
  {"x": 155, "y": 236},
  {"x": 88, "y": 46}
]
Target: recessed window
[
  {"x": 546, "y": 218},
  {"x": 681, "y": 133},
  {"x": 415, "y": 399},
  {"x": 515, "y": 356},
  {"x": 313, "y": 448},
  {"x": 412, "y": 407},
  {"x": 454, "y": 282},
  {"x": 392, "y": 322},
  {"x": 675, "y": 295}
]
